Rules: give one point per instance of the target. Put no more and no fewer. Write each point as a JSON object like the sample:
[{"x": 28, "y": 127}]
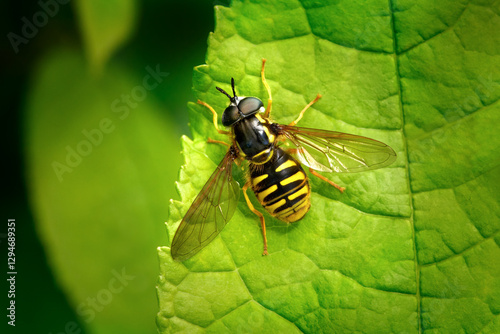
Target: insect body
[
  {"x": 274, "y": 173},
  {"x": 281, "y": 186}
]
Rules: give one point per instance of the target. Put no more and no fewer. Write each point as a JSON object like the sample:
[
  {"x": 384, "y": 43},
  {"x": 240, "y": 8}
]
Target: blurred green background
[{"x": 92, "y": 126}]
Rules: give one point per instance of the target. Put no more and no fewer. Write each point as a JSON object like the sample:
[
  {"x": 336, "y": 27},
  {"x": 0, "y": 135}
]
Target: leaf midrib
[{"x": 407, "y": 165}]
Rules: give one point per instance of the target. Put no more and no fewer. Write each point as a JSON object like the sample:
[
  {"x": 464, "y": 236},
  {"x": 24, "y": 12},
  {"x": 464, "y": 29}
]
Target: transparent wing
[
  {"x": 211, "y": 210},
  {"x": 330, "y": 151}
]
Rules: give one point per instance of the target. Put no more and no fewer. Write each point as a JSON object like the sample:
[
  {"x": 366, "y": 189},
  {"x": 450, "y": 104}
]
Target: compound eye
[
  {"x": 250, "y": 105},
  {"x": 230, "y": 116}
]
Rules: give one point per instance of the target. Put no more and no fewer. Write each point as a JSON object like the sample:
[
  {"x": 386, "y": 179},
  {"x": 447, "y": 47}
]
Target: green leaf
[
  {"x": 101, "y": 158},
  {"x": 105, "y": 25},
  {"x": 411, "y": 248}
]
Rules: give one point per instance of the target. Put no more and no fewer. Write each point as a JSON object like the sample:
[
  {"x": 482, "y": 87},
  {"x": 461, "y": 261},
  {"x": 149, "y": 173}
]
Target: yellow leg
[
  {"x": 304, "y": 110},
  {"x": 313, "y": 172},
  {"x": 237, "y": 161},
  {"x": 261, "y": 217},
  {"x": 215, "y": 117},
  {"x": 212, "y": 141},
  {"x": 270, "y": 99}
]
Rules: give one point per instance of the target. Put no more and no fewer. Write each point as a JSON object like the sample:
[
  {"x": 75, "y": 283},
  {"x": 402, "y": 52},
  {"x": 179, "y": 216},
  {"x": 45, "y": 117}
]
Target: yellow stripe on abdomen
[
  {"x": 299, "y": 176},
  {"x": 285, "y": 165},
  {"x": 258, "y": 179},
  {"x": 272, "y": 208},
  {"x": 262, "y": 194},
  {"x": 296, "y": 213},
  {"x": 301, "y": 191}
]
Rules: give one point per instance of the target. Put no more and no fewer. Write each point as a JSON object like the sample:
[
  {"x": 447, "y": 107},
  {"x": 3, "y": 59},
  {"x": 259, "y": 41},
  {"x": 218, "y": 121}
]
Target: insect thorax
[{"x": 254, "y": 139}]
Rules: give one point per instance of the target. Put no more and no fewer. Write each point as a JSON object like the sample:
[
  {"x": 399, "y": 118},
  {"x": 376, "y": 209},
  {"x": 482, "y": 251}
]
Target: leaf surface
[{"x": 410, "y": 248}]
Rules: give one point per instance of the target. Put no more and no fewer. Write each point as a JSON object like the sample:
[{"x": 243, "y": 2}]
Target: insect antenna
[
  {"x": 224, "y": 92},
  {"x": 232, "y": 85},
  {"x": 232, "y": 98}
]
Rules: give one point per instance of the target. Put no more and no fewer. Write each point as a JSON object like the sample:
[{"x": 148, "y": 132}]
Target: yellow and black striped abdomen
[{"x": 281, "y": 186}]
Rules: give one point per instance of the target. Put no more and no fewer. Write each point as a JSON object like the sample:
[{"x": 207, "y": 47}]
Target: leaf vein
[
  {"x": 461, "y": 253},
  {"x": 408, "y": 177},
  {"x": 436, "y": 34}
]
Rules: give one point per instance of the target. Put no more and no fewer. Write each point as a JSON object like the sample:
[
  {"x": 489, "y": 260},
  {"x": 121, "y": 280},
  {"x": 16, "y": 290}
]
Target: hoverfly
[{"x": 274, "y": 172}]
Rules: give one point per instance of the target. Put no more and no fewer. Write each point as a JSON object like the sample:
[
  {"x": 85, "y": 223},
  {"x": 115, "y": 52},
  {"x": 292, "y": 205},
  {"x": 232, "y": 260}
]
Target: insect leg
[
  {"x": 215, "y": 117},
  {"x": 270, "y": 99},
  {"x": 213, "y": 141},
  {"x": 261, "y": 217},
  {"x": 313, "y": 172},
  {"x": 304, "y": 110}
]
